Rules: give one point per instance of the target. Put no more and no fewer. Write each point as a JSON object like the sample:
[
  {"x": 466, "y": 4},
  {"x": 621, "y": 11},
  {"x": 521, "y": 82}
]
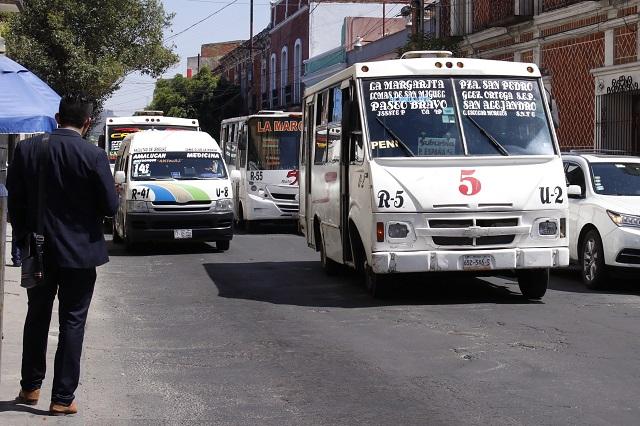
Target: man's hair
[{"x": 74, "y": 109}]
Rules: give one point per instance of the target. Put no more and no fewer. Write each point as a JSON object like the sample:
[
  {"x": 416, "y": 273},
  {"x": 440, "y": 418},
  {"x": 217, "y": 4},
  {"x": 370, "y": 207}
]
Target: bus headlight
[
  {"x": 548, "y": 228},
  {"x": 398, "y": 230},
  {"x": 223, "y": 205},
  {"x": 137, "y": 206},
  {"x": 545, "y": 227},
  {"x": 622, "y": 219}
]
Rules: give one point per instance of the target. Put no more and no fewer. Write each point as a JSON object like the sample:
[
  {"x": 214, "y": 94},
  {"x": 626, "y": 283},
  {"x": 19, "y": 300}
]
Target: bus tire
[
  {"x": 377, "y": 284},
  {"x": 331, "y": 267},
  {"x": 239, "y": 219},
  {"x": 250, "y": 226},
  {"x": 533, "y": 283},
  {"x": 129, "y": 244},
  {"x": 223, "y": 244}
]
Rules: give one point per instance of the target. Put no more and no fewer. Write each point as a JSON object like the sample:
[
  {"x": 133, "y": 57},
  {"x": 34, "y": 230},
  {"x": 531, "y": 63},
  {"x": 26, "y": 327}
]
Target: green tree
[
  {"x": 90, "y": 46},
  {"x": 205, "y": 97}
]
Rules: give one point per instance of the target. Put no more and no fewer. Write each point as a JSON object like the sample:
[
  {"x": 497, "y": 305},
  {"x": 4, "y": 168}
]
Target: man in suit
[{"x": 80, "y": 192}]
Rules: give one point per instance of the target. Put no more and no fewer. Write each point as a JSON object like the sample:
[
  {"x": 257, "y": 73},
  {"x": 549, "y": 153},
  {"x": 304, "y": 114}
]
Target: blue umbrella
[{"x": 27, "y": 104}]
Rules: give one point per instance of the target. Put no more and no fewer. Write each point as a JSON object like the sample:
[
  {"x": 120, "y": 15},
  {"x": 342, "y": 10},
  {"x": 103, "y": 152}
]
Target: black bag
[{"x": 33, "y": 247}]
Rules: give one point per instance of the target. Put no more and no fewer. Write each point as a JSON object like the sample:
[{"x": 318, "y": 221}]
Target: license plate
[
  {"x": 476, "y": 262},
  {"x": 180, "y": 234}
]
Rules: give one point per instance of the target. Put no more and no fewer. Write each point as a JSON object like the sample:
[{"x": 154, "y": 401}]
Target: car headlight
[
  {"x": 224, "y": 205},
  {"x": 137, "y": 206},
  {"x": 548, "y": 228},
  {"x": 622, "y": 219}
]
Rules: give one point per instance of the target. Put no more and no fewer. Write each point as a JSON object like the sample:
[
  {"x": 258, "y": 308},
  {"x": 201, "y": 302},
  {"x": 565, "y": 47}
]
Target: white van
[
  {"x": 175, "y": 186},
  {"x": 433, "y": 163}
]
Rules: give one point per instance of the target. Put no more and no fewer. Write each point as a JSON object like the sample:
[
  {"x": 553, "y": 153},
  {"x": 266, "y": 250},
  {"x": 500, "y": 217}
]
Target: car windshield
[
  {"x": 616, "y": 178},
  {"x": 177, "y": 165},
  {"x": 422, "y": 116}
]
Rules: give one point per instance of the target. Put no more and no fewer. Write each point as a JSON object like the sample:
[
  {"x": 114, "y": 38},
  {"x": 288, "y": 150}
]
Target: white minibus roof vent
[
  {"x": 426, "y": 54},
  {"x": 268, "y": 111}
]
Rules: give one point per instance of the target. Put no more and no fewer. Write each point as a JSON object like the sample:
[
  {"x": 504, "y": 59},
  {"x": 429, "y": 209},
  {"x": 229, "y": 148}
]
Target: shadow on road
[
  {"x": 568, "y": 280},
  {"x": 156, "y": 249},
  {"x": 259, "y": 228},
  {"x": 305, "y": 284},
  {"x": 13, "y": 406}
]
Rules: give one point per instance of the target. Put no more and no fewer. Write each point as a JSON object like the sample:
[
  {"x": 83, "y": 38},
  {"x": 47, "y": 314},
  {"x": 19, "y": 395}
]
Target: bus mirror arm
[{"x": 355, "y": 142}]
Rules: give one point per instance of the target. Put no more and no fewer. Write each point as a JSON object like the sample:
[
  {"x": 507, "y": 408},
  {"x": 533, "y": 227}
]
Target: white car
[{"x": 604, "y": 214}]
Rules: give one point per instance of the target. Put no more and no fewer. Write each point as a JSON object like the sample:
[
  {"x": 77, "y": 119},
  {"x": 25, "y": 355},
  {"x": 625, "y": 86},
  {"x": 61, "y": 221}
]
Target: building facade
[
  {"x": 210, "y": 55},
  {"x": 588, "y": 52},
  {"x": 300, "y": 30}
]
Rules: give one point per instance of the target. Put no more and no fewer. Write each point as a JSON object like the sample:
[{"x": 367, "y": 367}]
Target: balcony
[
  {"x": 500, "y": 13},
  {"x": 549, "y": 5}
]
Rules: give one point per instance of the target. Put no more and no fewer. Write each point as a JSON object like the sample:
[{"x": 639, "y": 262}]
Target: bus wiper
[
  {"x": 493, "y": 140},
  {"x": 394, "y": 136}
]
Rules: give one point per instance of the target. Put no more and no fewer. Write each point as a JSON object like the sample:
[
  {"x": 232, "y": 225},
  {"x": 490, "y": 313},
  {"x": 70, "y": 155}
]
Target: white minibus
[
  {"x": 118, "y": 128},
  {"x": 261, "y": 151},
  {"x": 433, "y": 163},
  {"x": 175, "y": 186}
]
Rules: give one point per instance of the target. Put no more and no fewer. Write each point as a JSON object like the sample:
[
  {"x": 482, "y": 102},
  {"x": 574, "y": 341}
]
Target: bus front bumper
[
  {"x": 161, "y": 227},
  {"x": 469, "y": 260}
]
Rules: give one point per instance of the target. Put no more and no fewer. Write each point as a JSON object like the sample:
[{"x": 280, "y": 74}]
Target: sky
[{"x": 232, "y": 23}]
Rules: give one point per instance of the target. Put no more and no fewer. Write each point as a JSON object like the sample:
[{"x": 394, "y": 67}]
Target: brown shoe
[
  {"x": 56, "y": 409},
  {"x": 28, "y": 397}
]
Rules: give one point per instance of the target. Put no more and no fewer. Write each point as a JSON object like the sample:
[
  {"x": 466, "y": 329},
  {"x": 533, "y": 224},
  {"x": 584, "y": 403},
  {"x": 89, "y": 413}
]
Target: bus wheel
[
  {"x": 331, "y": 267},
  {"x": 377, "y": 284},
  {"x": 129, "y": 244},
  {"x": 240, "y": 218},
  {"x": 223, "y": 244},
  {"x": 533, "y": 283}
]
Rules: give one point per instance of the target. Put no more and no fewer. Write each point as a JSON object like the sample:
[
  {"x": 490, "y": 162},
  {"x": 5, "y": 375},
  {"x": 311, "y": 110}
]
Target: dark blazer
[{"x": 80, "y": 192}]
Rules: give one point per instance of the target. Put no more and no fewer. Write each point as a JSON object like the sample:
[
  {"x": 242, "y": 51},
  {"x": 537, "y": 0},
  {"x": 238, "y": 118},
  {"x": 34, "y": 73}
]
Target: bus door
[
  {"x": 304, "y": 170},
  {"x": 327, "y": 163},
  {"x": 352, "y": 160}
]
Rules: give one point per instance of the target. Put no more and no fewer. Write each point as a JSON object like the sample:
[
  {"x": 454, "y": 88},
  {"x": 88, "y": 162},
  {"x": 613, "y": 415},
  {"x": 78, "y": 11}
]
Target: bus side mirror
[
  {"x": 120, "y": 177},
  {"x": 553, "y": 107},
  {"x": 235, "y": 175},
  {"x": 101, "y": 141},
  {"x": 356, "y": 145}
]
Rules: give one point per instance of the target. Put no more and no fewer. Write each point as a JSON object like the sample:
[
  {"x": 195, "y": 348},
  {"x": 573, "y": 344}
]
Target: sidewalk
[{"x": 15, "y": 309}]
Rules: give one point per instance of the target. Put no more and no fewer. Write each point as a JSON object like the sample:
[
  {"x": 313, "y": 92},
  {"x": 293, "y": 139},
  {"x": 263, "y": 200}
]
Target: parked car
[{"x": 604, "y": 214}]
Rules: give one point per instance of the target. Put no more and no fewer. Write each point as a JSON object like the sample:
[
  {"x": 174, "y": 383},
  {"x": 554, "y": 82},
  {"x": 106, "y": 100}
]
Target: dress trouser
[{"x": 75, "y": 289}]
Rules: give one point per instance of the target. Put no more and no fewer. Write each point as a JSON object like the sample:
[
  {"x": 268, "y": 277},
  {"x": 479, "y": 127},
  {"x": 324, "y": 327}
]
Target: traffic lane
[
  {"x": 480, "y": 342},
  {"x": 260, "y": 334}
]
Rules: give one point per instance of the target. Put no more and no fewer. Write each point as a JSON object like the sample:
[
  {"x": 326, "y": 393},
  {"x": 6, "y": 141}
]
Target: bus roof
[
  {"x": 171, "y": 140},
  {"x": 264, "y": 114},
  {"x": 443, "y": 67},
  {"x": 151, "y": 120}
]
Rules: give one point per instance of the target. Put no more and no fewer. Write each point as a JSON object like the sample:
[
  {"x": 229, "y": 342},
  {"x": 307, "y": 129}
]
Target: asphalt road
[{"x": 260, "y": 335}]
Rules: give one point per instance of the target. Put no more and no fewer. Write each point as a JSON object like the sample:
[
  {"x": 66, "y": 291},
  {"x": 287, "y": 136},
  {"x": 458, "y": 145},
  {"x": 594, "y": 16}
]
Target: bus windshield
[
  {"x": 273, "y": 143},
  {"x": 436, "y": 116},
  {"x": 115, "y": 134},
  {"x": 177, "y": 165}
]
